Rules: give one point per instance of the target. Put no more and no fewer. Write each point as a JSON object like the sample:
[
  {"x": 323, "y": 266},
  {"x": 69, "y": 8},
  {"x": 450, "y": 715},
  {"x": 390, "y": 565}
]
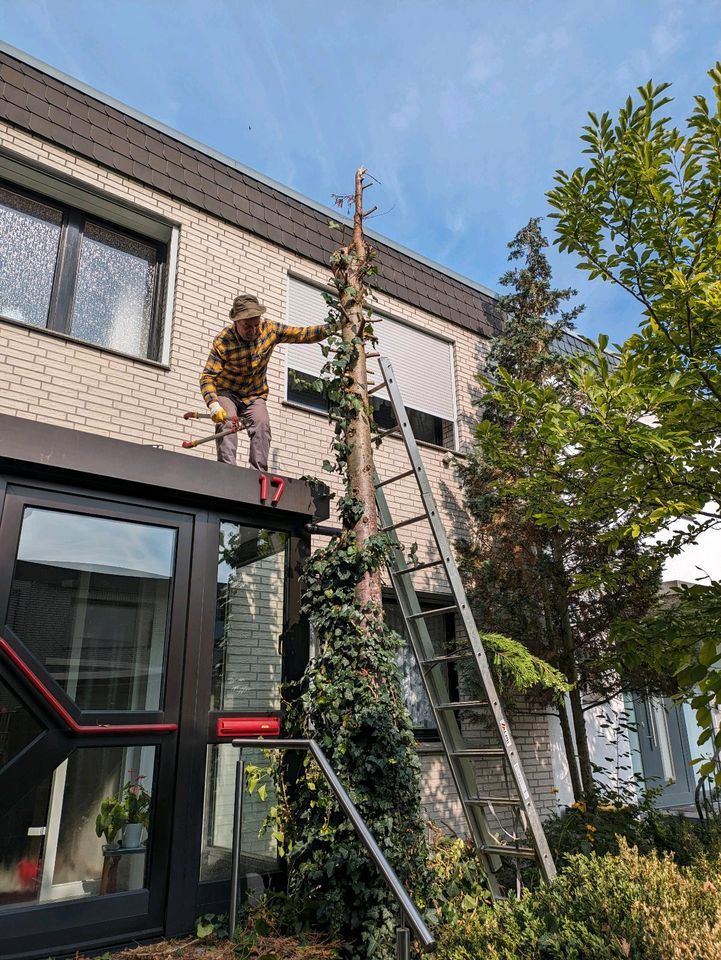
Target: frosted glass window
[
  {"x": 29, "y": 238},
  {"x": 114, "y": 294}
]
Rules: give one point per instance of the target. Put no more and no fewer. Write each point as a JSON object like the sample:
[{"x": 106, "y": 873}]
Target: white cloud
[
  {"x": 484, "y": 64},
  {"x": 407, "y": 113},
  {"x": 668, "y": 34}
]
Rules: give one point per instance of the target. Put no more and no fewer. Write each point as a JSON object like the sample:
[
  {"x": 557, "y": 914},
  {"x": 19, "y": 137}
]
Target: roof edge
[{"x": 332, "y": 214}]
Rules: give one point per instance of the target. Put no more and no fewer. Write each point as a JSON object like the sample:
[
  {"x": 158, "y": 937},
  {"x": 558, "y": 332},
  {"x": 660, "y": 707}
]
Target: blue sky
[{"x": 463, "y": 110}]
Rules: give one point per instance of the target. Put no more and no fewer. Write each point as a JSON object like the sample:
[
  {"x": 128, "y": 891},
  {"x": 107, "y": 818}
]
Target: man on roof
[{"x": 234, "y": 380}]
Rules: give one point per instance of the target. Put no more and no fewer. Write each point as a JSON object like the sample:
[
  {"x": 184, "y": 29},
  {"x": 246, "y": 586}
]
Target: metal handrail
[
  {"x": 408, "y": 909},
  {"x": 708, "y": 802}
]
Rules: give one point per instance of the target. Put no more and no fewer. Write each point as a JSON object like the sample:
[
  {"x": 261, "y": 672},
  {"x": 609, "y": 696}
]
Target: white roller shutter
[
  {"x": 306, "y": 307},
  {"x": 422, "y": 363}
]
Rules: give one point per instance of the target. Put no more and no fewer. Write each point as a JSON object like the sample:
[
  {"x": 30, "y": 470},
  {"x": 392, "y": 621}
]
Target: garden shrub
[
  {"x": 642, "y": 907},
  {"x": 595, "y": 826},
  {"x": 459, "y": 891}
]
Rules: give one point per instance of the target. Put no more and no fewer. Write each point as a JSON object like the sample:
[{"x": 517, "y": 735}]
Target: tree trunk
[
  {"x": 568, "y": 742},
  {"x": 579, "y": 729},
  {"x": 570, "y": 669},
  {"x": 570, "y": 748},
  {"x": 350, "y": 270}
]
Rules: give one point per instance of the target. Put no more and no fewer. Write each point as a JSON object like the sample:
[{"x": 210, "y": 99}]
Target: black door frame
[
  {"x": 44, "y": 926},
  {"x": 168, "y": 905},
  {"x": 197, "y": 720}
]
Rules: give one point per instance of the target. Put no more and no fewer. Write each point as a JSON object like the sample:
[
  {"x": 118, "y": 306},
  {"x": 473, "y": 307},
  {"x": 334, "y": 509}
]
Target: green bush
[
  {"x": 459, "y": 891},
  {"x": 595, "y": 826},
  {"x": 642, "y": 907}
]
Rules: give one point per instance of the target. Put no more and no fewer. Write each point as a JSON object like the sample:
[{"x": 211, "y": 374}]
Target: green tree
[
  {"x": 643, "y": 213},
  {"x": 536, "y": 582}
]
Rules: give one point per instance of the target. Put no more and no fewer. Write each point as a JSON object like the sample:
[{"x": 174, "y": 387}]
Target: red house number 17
[{"x": 265, "y": 483}]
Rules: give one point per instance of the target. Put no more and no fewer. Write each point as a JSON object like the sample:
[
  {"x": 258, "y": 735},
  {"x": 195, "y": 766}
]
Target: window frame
[
  {"x": 67, "y": 262},
  {"x": 299, "y": 404},
  {"x": 430, "y": 601}
]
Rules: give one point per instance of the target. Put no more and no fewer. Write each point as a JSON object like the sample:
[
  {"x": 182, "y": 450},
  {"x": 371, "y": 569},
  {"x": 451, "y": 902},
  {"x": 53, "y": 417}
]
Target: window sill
[
  {"x": 158, "y": 365},
  {"x": 294, "y": 405}
]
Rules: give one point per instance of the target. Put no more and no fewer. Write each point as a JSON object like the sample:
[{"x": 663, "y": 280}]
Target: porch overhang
[{"x": 32, "y": 449}]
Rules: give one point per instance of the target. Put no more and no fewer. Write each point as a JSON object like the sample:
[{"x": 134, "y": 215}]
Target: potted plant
[
  {"x": 125, "y": 813},
  {"x": 111, "y": 820},
  {"x": 136, "y": 801}
]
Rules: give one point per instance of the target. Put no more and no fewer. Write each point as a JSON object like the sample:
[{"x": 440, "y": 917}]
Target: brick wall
[{"x": 53, "y": 380}]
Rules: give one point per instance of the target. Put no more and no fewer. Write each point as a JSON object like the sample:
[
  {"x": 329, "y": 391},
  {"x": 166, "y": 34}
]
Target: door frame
[{"x": 64, "y": 925}]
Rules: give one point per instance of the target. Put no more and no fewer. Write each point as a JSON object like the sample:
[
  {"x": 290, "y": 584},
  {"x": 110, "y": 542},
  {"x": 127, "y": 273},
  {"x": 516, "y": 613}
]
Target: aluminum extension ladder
[{"x": 478, "y": 808}]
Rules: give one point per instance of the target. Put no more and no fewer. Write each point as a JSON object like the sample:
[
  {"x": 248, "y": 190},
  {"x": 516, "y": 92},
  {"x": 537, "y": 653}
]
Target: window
[
  {"x": 422, "y": 363},
  {"x": 442, "y": 633},
  {"x": 51, "y": 850},
  {"x": 65, "y": 270},
  {"x": 90, "y": 597}
]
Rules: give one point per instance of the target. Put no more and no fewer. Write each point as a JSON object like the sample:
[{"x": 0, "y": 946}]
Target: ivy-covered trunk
[
  {"x": 351, "y": 700},
  {"x": 352, "y": 265}
]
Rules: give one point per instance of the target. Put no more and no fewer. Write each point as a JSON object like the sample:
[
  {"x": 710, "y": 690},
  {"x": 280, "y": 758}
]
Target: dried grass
[{"x": 272, "y": 947}]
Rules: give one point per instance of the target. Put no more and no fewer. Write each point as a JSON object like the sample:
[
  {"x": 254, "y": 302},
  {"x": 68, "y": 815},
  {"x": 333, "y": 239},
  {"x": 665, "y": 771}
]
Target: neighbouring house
[{"x": 151, "y": 589}]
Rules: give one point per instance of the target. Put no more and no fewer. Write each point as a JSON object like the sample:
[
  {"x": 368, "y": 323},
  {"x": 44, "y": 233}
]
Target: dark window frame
[
  {"x": 67, "y": 263},
  {"x": 304, "y": 397},
  {"x": 429, "y": 601}
]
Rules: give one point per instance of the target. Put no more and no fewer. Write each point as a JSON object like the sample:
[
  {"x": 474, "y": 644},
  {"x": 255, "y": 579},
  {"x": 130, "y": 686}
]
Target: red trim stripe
[{"x": 66, "y": 717}]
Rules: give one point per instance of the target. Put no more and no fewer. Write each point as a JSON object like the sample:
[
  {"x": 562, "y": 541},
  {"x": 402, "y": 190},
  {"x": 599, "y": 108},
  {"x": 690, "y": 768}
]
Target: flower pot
[{"x": 132, "y": 834}]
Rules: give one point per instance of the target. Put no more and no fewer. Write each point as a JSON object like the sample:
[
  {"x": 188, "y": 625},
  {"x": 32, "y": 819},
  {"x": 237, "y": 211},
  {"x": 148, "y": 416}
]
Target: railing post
[
  {"x": 235, "y": 852},
  {"x": 403, "y": 939}
]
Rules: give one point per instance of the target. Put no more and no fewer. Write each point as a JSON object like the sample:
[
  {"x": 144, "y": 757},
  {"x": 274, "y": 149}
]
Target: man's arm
[
  {"x": 287, "y": 334},
  {"x": 213, "y": 366}
]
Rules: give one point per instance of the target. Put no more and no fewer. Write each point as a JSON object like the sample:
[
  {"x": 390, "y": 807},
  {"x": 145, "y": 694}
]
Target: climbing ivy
[{"x": 349, "y": 699}]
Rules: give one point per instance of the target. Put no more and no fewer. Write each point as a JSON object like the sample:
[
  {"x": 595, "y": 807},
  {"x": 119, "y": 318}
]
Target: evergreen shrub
[{"x": 642, "y": 907}]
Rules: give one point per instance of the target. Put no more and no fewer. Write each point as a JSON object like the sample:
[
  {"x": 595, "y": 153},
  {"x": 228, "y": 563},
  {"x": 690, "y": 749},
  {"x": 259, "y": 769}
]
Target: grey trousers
[{"x": 254, "y": 416}]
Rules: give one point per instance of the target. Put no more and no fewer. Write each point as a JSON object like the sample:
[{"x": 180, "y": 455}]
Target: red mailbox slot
[{"x": 249, "y": 726}]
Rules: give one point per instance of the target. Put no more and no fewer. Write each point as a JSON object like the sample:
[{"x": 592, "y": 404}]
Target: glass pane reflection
[
  {"x": 90, "y": 598},
  {"x": 249, "y": 619},
  {"x": 50, "y": 848},
  {"x": 258, "y": 852}
]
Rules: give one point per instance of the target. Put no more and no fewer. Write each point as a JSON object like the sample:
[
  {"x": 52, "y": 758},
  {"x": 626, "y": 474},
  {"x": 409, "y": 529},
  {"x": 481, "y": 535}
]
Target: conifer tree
[{"x": 529, "y": 581}]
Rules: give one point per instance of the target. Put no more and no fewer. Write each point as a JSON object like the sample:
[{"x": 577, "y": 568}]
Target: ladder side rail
[
  {"x": 544, "y": 854},
  {"x": 434, "y": 684}
]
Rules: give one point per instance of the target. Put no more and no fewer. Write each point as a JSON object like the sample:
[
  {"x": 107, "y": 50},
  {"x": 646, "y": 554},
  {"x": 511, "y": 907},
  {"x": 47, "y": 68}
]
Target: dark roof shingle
[{"x": 34, "y": 100}]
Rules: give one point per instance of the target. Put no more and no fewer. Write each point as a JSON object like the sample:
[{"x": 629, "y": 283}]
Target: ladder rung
[
  {"x": 398, "y": 476},
  {"x": 405, "y": 523},
  {"x": 418, "y": 566},
  {"x": 432, "y": 613},
  {"x": 387, "y": 433},
  {"x": 462, "y": 705},
  {"x": 500, "y": 850},
  {"x": 498, "y": 801},
  {"x": 380, "y": 386},
  {"x": 448, "y": 658},
  {"x": 478, "y": 752}
]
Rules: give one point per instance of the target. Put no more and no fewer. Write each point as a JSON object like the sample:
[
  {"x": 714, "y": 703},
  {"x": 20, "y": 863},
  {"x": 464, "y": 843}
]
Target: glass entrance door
[
  {"x": 93, "y": 597},
  {"x": 247, "y": 670}
]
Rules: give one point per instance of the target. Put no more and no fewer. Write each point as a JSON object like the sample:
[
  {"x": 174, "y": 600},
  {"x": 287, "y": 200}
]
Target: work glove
[{"x": 217, "y": 413}]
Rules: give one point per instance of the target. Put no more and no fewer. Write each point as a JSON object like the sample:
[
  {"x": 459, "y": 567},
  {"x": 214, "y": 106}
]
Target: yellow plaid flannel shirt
[{"x": 241, "y": 366}]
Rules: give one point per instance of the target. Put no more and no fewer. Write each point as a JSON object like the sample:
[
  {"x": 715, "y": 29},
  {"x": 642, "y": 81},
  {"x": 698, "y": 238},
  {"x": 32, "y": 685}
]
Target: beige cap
[{"x": 245, "y": 306}]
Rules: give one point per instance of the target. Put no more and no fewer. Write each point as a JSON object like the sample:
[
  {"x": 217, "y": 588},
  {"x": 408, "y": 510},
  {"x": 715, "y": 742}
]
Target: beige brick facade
[{"x": 48, "y": 378}]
